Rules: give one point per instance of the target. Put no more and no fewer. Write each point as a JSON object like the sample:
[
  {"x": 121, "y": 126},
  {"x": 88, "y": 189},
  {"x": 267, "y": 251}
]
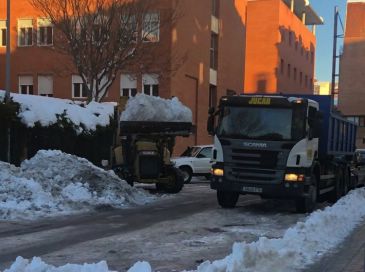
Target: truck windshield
[{"x": 261, "y": 123}]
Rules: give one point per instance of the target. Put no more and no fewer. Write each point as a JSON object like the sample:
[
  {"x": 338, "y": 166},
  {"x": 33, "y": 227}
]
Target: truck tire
[
  {"x": 187, "y": 173},
  {"x": 176, "y": 183},
  {"x": 307, "y": 204},
  {"x": 227, "y": 200}
]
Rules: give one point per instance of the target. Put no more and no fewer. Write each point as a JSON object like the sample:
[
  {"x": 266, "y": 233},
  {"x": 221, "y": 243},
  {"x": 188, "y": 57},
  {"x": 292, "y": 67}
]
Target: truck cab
[{"x": 270, "y": 146}]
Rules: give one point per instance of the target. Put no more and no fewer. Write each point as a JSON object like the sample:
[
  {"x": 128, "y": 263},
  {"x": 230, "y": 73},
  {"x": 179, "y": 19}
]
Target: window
[
  {"x": 312, "y": 57},
  {"x": 214, "y": 51},
  {"x": 307, "y": 55},
  {"x": 306, "y": 81},
  {"x": 151, "y": 27},
  {"x": 295, "y": 73},
  {"x": 301, "y": 78},
  {"x": 26, "y": 84},
  {"x": 282, "y": 66},
  {"x": 2, "y": 32},
  {"x": 231, "y": 92},
  {"x": 212, "y": 96},
  {"x": 78, "y": 87},
  {"x": 45, "y": 86},
  {"x": 290, "y": 38},
  {"x": 45, "y": 32},
  {"x": 215, "y": 8},
  {"x": 205, "y": 153},
  {"x": 25, "y": 32},
  {"x": 296, "y": 45},
  {"x": 130, "y": 27},
  {"x": 289, "y": 70},
  {"x": 301, "y": 51},
  {"x": 128, "y": 85},
  {"x": 150, "y": 84}
]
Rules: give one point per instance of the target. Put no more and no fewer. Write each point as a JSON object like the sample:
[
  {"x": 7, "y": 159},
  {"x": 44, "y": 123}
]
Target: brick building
[
  {"x": 352, "y": 68},
  {"x": 231, "y": 46},
  {"x": 280, "y": 46}
]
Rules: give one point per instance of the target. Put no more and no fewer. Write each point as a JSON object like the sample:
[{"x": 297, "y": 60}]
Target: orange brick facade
[
  {"x": 252, "y": 37},
  {"x": 352, "y": 69},
  {"x": 280, "y": 50}
]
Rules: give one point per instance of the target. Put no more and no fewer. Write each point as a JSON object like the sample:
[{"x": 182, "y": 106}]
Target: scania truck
[{"x": 291, "y": 147}]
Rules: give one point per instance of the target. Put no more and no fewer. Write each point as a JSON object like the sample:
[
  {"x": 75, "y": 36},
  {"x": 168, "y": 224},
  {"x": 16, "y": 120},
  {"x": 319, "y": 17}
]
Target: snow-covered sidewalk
[
  {"x": 54, "y": 183},
  {"x": 301, "y": 245}
]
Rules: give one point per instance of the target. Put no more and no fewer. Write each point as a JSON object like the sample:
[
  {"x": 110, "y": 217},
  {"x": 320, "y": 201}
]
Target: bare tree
[{"x": 103, "y": 37}]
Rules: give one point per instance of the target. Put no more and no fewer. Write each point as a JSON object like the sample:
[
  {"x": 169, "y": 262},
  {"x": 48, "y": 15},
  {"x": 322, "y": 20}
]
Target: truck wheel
[
  {"x": 307, "y": 204},
  {"x": 227, "y": 200},
  {"x": 175, "y": 184},
  {"x": 187, "y": 173}
]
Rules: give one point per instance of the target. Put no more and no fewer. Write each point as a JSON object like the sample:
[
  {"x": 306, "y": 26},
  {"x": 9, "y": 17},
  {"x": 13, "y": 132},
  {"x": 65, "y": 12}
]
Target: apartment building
[
  {"x": 215, "y": 48},
  {"x": 280, "y": 46},
  {"x": 352, "y": 68}
]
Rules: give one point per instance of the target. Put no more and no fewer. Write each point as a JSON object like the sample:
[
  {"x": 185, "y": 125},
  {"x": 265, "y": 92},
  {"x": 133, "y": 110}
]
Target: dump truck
[{"x": 292, "y": 147}]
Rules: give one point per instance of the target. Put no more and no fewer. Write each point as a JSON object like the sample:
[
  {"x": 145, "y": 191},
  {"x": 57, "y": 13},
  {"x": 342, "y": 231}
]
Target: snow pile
[
  {"x": 301, "y": 245},
  {"x": 46, "y": 111},
  {"x": 53, "y": 183},
  {"x": 151, "y": 108},
  {"x": 37, "y": 265}
]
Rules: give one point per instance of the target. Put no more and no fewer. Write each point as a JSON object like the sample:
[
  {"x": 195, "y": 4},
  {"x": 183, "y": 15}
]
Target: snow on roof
[
  {"x": 355, "y": 1},
  {"x": 41, "y": 187},
  {"x": 45, "y": 110},
  {"x": 151, "y": 108}
]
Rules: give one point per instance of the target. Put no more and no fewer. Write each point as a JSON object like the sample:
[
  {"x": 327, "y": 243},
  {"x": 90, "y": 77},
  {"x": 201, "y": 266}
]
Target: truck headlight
[
  {"x": 294, "y": 177},
  {"x": 217, "y": 172}
]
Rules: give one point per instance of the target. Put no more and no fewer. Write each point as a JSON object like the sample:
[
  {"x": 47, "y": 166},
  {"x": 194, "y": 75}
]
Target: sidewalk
[{"x": 350, "y": 256}]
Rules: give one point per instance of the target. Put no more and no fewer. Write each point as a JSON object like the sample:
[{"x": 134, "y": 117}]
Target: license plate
[{"x": 251, "y": 189}]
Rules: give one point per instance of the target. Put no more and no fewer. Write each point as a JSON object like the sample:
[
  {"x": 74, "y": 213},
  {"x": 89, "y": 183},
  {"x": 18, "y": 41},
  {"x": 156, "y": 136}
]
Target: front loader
[{"x": 144, "y": 154}]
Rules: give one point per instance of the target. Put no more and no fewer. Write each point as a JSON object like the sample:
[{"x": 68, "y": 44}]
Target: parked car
[
  {"x": 195, "y": 161},
  {"x": 359, "y": 166}
]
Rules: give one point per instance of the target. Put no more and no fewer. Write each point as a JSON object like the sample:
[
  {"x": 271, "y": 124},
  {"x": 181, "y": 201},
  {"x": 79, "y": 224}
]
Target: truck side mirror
[{"x": 210, "y": 124}]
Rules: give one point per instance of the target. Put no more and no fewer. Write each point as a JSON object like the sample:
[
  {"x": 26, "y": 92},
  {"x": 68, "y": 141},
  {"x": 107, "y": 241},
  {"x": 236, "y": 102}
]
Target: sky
[{"x": 325, "y": 8}]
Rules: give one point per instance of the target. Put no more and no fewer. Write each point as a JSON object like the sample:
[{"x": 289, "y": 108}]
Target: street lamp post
[{"x": 7, "y": 80}]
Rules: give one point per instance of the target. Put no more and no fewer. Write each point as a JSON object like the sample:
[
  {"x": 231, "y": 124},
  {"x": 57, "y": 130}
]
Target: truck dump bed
[
  {"x": 338, "y": 135},
  {"x": 155, "y": 128}
]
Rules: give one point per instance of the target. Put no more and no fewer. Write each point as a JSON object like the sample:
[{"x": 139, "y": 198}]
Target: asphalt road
[{"x": 174, "y": 233}]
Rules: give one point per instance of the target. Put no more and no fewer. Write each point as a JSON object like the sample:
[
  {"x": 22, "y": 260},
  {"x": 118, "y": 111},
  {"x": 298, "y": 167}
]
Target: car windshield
[
  {"x": 261, "y": 123},
  {"x": 191, "y": 151}
]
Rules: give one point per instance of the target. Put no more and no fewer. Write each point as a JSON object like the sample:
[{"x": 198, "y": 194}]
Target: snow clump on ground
[
  {"x": 53, "y": 183},
  {"x": 151, "y": 108}
]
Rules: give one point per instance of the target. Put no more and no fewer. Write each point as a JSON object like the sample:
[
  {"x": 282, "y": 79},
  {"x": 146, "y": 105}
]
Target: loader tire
[{"x": 176, "y": 182}]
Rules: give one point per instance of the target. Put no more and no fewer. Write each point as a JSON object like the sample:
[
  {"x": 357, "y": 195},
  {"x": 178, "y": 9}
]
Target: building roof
[{"x": 303, "y": 6}]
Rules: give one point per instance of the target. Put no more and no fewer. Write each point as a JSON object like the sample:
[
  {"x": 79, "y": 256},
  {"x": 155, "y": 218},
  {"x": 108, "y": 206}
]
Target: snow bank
[
  {"x": 301, "y": 245},
  {"x": 151, "y": 108},
  {"x": 37, "y": 265},
  {"x": 54, "y": 183},
  {"x": 45, "y": 110}
]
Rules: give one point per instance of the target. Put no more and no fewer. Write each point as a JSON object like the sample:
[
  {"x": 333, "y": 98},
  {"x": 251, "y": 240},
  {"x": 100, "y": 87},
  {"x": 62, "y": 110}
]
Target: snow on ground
[
  {"x": 301, "y": 245},
  {"x": 53, "y": 183},
  {"x": 150, "y": 108},
  {"x": 37, "y": 265},
  {"x": 46, "y": 109}
]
